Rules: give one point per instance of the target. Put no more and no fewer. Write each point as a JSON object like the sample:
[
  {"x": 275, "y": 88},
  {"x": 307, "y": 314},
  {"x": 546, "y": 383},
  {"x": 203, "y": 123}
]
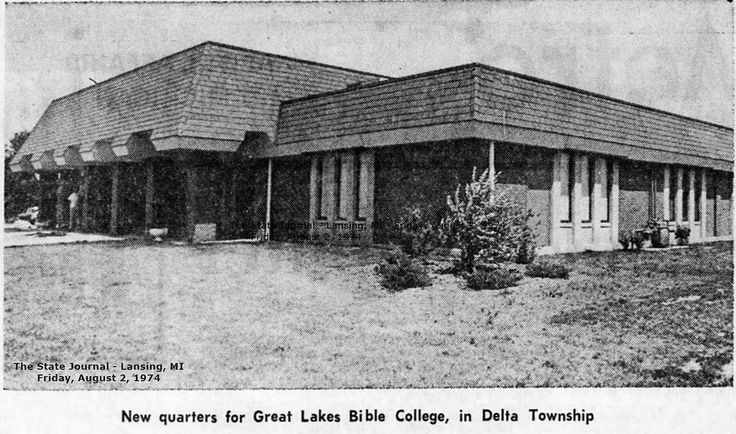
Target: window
[
  {"x": 673, "y": 192},
  {"x": 359, "y": 182},
  {"x": 653, "y": 186},
  {"x": 338, "y": 186},
  {"x": 591, "y": 184},
  {"x": 344, "y": 184},
  {"x": 607, "y": 181},
  {"x": 322, "y": 182},
  {"x": 698, "y": 192},
  {"x": 567, "y": 184},
  {"x": 686, "y": 195}
]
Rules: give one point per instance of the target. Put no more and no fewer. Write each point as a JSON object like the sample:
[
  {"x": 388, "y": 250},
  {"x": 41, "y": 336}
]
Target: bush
[
  {"x": 418, "y": 232},
  {"x": 400, "y": 271},
  {"x": 682, "y": 232},
  {"x": 527, "y": 247},
  {"x": 492, "y": 278},
  {"x": 487, "y": 224},
  {"x": 631, "y": 240},
  {"x": 550, "y": 270}
]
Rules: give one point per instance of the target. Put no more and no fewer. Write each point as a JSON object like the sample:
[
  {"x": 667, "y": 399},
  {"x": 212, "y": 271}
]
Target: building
[{"x": 223, "y": 142}]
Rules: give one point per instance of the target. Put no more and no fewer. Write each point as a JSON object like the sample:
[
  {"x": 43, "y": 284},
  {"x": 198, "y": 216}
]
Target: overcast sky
[{"x": 674, "y": 56}]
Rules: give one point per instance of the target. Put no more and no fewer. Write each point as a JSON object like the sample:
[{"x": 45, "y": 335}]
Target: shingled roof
[
  {"x": 206, "y": 97},
  {"x": 480, "y": 101}
]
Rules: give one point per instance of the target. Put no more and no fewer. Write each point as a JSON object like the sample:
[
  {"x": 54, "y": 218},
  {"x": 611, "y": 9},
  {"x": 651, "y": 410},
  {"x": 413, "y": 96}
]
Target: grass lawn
[{"x": 293, "y": 316}]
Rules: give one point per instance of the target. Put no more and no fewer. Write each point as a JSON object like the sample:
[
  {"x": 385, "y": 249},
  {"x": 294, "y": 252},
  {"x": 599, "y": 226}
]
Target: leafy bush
[
  {"x": 527, "y": 247},
  {"x": 492, "y": 278},
  {"x": 487, "y": 224},
  {"x": 418, "y": 232},
  {"x": 550, "y": 270},
  {"x": 631, "y": 240},
  {"x": 682, "y": 232},
  {"x": 400, "y": 271}
]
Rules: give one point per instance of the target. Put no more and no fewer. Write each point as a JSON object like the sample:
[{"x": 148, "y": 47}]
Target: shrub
[
  {"x": 418, "y": 232},
  {"x": 682, "y": 233},
  {"x": 527, "y": 247},
  {"x": 550, "y": 270},
  {"x": 492, "y": 278},
  {"x": 631, "y": 240},
  {"x": 400, "y": 271},
  {"x": 487, "y": 224}
]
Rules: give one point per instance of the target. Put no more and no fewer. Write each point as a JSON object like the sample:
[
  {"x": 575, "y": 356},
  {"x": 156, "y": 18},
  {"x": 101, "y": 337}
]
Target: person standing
[{"x": 73, "y": 210}]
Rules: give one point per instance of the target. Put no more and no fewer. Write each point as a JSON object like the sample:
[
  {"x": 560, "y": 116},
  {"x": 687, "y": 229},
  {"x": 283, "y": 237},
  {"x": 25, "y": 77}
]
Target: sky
[{"x": 675, "y": 56}]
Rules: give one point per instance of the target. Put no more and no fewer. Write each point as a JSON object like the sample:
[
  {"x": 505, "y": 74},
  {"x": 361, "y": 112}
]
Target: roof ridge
[
  {"x": 390, "y": 80},
  {"x": 191, "y": 94},
  {"x": 293, "y": 59}
]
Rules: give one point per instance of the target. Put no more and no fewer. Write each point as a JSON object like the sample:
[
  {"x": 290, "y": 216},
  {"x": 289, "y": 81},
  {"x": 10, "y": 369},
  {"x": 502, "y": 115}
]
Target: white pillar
[
  {"x": 596, "y": 201},
  {"x": 492, "y": 167},
  {"x": 314, "y": 195},
  {"x": 691, "y": 200},
  {"x": 579, "y": 214},
  {"x": 666, "y": 194},
  {"x": 555, "y": 193},
  {"x": 614, "y": 203},
  {"x": 268, "y": 199},
  {"x": 678, "y": 197},
  {"x": 703, "y": 204}
]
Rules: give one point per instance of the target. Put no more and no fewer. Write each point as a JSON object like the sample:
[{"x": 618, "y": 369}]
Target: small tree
[
  {"x": 486, "y": 224},
  {"x": 21, "y": 189},
  {"x": 418, "y": 231}
]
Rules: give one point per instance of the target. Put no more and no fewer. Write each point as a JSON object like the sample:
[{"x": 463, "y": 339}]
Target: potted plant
[
  {"x": 660, "y": 233},
  {"x": 682, "y": 235}
]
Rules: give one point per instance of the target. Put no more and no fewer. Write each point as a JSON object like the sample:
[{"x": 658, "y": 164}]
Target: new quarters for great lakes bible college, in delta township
[{"x": 222, "y": 142}]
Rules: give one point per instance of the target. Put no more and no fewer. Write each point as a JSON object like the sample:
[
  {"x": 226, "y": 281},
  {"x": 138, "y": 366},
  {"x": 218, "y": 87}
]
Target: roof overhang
[
  {"x": 43, "y": 161},
  {"x": 68, "y": 157},
  {"x": 135, "y": 147},
  {"x": 493, "y": 132},
  {"x": 21, "y": 164}
]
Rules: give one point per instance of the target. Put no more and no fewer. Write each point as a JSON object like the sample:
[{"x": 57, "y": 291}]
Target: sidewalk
[{"x": 15, "y": 238}]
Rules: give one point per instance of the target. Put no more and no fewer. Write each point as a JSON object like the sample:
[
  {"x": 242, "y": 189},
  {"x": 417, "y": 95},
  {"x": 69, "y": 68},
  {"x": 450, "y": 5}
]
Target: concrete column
[
  {"x": 268, "y": 199},
  {"x": 149, "y": 196},
  {"x": 678, "y": 196},
  {"x": 313, "y": 192},
  {"x": 614, "y": 202},
  {"x": 596, "y": 202},
  {"x": 716, "y": 202},
  {"x": 492, "y": 166},
  {"x": 578, "y": 213},
  {"x": 347, "y": 186},
  {"x": 115, "y": 200},
  {"x": 191, "y": 208},
  {"x": 328, "y": 186},
  {"x": 555, "y": 194},
  {"x": 691, "y": 201},
  {"x": 86, "y": 196},
  {"x": 703, "y": 204},
  {"x": 367, "y": 182},
  {"x": 666, "y": 194},
  {"x": 62, "y": 193}
]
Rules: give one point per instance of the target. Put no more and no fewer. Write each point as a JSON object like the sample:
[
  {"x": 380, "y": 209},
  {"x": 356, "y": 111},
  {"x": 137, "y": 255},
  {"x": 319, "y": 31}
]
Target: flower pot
[
  {"x": 661, "y": 237},
  {"x": 158, "y": 233}
]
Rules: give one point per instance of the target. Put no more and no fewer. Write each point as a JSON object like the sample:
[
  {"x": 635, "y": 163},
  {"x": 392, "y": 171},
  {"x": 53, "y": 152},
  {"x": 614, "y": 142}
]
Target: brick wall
[
  {"x": 723, "y": 188},
  {"x": 634, "y": 190},
  {"x": 424, "y": 174},
  {"x": 290, "y": 199}
]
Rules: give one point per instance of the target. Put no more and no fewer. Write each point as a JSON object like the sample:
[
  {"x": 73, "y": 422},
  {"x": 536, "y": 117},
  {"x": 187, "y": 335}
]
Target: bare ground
[{"x": 293, "y": 316}]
